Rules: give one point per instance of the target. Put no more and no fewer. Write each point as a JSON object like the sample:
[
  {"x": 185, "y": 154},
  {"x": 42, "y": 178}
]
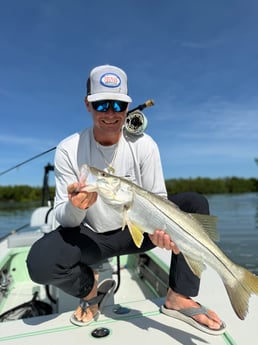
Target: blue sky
[{"x": 197, "y": 59}]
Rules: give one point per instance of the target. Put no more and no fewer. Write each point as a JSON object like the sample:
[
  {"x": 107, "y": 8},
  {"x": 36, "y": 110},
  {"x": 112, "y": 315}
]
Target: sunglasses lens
[
  {"x": 103, "y": 106},
  {"x": 119, "y": 106}
]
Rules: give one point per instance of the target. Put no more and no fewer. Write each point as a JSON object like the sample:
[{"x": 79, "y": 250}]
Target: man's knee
[
  {"x": 191, "y": 202},
  {"x": 199, "y": 203},
  {"x": 36, "y": 265}
]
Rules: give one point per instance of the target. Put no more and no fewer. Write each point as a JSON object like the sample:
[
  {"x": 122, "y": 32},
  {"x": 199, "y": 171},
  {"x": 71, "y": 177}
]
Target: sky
[{"x": 198, "y": 61}]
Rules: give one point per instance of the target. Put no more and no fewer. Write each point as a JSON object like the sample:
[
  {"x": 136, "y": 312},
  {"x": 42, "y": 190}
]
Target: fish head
[{"x": 112, "y": 189}]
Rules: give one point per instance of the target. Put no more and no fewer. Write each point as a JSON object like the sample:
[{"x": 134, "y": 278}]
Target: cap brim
[{"x": 112, "y": 96}]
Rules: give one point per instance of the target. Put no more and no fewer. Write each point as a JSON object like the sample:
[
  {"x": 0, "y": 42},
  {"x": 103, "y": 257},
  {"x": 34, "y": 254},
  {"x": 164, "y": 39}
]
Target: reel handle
[{"x": 148, "y": 103}]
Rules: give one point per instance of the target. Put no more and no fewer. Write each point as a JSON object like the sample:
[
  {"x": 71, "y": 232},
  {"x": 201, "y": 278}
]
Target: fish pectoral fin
[
  {"x": 196, "y": 267},
  {"x": 209, "y": 224},
  {"x": 136, "y": 233}
]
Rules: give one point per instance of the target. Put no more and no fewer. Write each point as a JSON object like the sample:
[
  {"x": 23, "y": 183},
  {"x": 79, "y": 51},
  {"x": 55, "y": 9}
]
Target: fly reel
[{"x": 135, "y": 121}]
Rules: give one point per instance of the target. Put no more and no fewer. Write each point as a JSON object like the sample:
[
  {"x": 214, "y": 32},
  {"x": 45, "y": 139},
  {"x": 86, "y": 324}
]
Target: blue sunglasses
[{"x": 103, "y": 106}]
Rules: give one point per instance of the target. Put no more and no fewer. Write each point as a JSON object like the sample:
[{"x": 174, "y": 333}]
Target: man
[{"x": 89, "y": 230}]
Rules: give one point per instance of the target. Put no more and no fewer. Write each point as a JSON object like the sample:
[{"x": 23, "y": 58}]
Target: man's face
[{"x": 108, "y": 116}]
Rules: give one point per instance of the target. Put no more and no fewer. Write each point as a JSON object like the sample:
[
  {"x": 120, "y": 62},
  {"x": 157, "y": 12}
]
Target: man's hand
[
  {"x": 80, "y": 198},
  {"x": 162, "y": 240}
]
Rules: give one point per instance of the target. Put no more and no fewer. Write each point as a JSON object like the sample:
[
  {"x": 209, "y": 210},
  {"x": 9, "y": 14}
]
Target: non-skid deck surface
[{"x": 144, "y": 324}]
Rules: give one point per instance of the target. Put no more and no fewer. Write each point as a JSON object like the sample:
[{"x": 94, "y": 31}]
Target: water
[
  {"x": 14, "y": 215},
  {"x": 237, "y": 224},
  {"x": 238, "y": 227}
]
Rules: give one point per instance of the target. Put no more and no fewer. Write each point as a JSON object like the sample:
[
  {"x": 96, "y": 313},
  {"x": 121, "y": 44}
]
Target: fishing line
[{"x": 26, "y": 161}]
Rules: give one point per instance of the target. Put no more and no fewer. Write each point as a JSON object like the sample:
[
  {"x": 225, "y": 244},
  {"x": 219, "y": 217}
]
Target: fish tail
[{"x": 240, "y": 292}]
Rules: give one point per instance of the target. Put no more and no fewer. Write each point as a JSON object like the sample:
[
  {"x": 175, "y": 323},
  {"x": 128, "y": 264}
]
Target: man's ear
[{"x": 87, "y": 103}]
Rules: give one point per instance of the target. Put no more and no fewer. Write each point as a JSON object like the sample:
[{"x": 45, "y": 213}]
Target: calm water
[
  {"x": 237, "y": 224},
  {"x": 238, "y": 227},
  {"x": 14, "y": 215}
]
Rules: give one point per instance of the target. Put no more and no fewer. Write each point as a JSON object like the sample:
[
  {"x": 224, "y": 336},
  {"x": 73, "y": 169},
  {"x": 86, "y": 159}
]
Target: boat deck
[{"x": 143, "y": 323}]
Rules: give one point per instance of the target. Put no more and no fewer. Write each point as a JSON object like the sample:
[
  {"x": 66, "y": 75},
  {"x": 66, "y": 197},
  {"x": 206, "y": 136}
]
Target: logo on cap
[{"x": 110, "y": 80}]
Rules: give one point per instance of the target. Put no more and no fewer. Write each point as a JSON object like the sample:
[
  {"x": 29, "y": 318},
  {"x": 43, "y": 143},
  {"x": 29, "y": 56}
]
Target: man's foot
[
  {"x": 92, "y": 305},
  {"x": 177, "y": 302},
  {"x": 85, "y": 315}
]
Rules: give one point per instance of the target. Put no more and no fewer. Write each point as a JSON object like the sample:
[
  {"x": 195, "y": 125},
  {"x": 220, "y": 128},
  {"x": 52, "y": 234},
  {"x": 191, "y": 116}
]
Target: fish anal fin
[
  {"x": 209, "y": 224},
  {"x": 136, "y": 233},
  {"x": 196, "y": 267}
]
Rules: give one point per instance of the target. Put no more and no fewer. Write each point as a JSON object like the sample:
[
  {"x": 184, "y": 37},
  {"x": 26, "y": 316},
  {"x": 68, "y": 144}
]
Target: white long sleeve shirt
[{"x": 137, "y": 158}]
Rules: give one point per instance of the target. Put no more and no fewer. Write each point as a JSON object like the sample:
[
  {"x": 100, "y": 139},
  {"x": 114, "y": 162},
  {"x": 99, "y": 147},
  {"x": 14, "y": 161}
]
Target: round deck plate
[{"x": 100, "y": 332}]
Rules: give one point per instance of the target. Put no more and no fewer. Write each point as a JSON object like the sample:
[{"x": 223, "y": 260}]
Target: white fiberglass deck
[{"x": 144, "y": 323}]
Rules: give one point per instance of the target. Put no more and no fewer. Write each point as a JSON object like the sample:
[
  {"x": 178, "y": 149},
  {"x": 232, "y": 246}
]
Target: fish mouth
[{"x": 88, "y": 177}]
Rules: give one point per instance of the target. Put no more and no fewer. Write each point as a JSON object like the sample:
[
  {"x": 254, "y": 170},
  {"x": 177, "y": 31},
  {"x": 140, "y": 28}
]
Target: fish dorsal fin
[
  {"x": 196, "y": 267},
  {"x": 136, "y": 233},
  {"x": 209, "y": 224}
]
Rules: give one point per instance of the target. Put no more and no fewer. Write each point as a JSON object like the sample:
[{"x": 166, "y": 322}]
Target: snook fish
[{"x": 193, "y": 234}]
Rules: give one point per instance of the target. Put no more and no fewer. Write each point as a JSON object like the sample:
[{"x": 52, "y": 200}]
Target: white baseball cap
[{"x": 107, "y": 82}]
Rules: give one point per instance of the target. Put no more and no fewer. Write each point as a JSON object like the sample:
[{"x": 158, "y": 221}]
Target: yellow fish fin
[
  {"x": 196, "y": 267},
  {"x": 209, "y": 224},
  {"x": 136, "y": 233},
  {"x": 239, "y": 293}
]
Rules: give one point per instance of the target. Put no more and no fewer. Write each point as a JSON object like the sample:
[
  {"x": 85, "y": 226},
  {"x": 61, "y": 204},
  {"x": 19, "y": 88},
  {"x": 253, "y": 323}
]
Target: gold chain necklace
[{"x": 110, "y": 169}]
